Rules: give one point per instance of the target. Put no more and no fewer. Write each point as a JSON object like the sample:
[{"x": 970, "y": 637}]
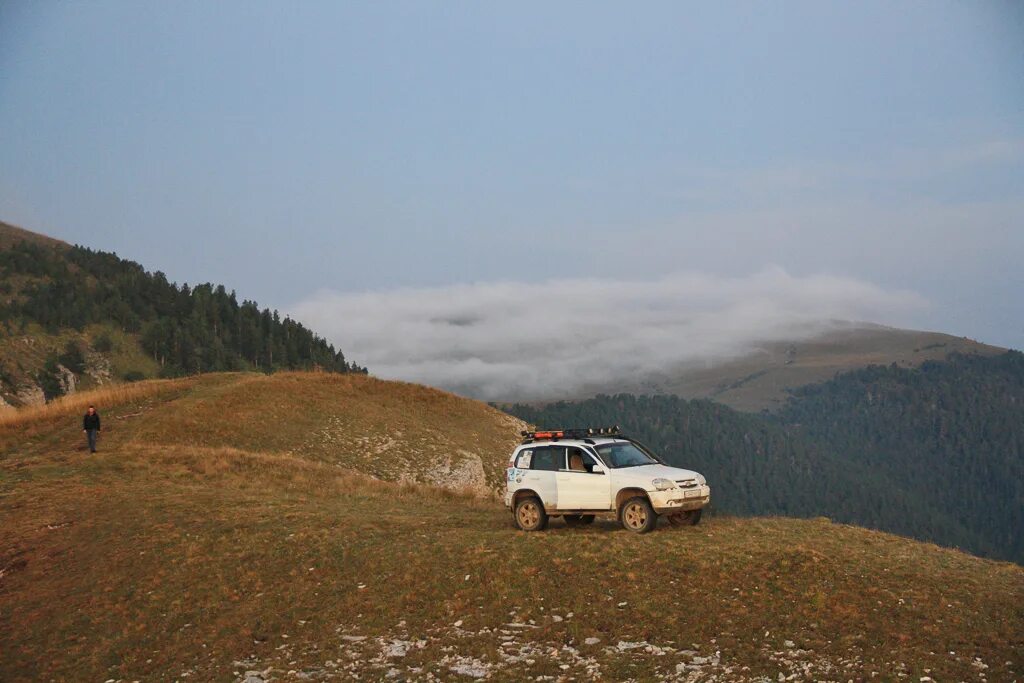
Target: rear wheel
[
  {"x": 578, "y": 520},
  {"x": 638, "y": 516},
  {"x": 688, "y": 518},
  {"x": 530, "y": 515}
]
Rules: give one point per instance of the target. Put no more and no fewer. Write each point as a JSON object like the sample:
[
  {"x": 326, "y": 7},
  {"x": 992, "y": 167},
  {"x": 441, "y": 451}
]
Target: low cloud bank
[{"x": 524, "y": 341}]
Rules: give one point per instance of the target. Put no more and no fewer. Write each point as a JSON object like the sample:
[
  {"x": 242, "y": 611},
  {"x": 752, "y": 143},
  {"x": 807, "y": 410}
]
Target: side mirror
[{"x": 598, "y": 469}]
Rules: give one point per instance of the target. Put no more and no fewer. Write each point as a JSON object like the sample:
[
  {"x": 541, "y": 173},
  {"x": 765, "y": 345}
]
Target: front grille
[{"x": 686, "y": 483}]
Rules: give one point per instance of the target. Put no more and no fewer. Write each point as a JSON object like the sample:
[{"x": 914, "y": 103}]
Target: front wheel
[
  {"x": 638, "y": 516},
  {"x": 530, "y": 515},
  {"x": 688, "y": 518}
]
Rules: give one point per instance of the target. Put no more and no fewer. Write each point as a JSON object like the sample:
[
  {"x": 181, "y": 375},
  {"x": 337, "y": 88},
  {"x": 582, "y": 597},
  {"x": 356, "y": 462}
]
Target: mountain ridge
[{"x": 765, "y": 378}]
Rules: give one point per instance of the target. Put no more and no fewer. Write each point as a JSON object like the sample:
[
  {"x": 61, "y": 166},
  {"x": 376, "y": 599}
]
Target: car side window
[
  {"x": 525, "y": 458},
  {"x": 580, "y": 461},
  {"x": 551, "y": 458}
]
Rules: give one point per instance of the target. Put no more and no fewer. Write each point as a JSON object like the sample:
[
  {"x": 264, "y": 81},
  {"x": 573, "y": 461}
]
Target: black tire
[
  {"x": 637, "y": 515},
  {"x": 530, "y": 514},
  {"x": 578, "y": 520},
  {"x": 689, "y": 518}
]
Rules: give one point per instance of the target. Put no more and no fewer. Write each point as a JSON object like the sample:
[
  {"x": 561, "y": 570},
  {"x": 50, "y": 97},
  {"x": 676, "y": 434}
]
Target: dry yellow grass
[
  {"x": 228, "y": 524},
  {"x": 113, "y": 394},
  {"x": 245, "y": 469},
  {"x": 393, "y": 431},
  {"x": 154, "y": 562}
]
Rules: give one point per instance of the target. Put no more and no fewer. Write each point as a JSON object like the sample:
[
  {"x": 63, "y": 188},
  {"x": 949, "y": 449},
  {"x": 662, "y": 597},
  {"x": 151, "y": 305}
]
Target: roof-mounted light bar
[{"x": 576, "y": 433}]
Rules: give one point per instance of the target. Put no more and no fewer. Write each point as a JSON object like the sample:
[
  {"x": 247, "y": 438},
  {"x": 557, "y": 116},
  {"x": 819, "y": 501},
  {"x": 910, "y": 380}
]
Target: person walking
[{"x": 91, "y": 427}]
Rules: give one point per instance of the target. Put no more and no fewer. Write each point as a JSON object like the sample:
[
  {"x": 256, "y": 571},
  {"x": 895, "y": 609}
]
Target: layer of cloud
[{"x": 515, "y": 340}]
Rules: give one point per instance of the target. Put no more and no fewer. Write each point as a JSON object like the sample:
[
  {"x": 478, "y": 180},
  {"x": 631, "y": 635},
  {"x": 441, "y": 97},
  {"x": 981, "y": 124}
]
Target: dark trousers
[{"x": 91, "y": 436}]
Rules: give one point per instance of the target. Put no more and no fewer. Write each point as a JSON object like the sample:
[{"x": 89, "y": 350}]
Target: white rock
[{"x": 472, "y": 669}]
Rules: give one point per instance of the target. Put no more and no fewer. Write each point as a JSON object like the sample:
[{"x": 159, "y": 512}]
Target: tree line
[{"x": 185, "y": 329}]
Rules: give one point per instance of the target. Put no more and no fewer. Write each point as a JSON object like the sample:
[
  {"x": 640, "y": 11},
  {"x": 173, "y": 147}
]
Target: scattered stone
[
  {"x": 591, "y": 641},
  {"x": 469, "y": 667}
]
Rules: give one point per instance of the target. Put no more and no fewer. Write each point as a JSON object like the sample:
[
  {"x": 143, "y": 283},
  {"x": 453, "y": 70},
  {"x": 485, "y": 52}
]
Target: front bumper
[{"x": 679, "y": 500}]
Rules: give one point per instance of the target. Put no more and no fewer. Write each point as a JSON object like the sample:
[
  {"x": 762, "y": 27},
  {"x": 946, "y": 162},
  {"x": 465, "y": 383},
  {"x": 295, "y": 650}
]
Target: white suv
[{"x": 579, "y": 473}]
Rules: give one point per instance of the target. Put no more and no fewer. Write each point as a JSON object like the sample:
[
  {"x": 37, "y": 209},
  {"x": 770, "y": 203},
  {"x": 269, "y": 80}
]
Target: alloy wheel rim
[
  {"x": 528, "y": 515},
  {"x": 635, "y": 516}
]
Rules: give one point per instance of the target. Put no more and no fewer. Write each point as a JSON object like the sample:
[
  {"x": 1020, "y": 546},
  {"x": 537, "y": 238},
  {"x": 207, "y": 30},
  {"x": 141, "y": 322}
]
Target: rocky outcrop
[
  {"x": 67, "y": 380},
  {"x": 29, "y": 394},
  {"x": 465, "y": 472},
  {"x": 97, "y": 367}
]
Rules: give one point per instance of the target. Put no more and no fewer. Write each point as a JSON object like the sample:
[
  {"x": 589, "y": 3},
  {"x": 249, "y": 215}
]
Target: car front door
[{"x": 581, "y": 485}]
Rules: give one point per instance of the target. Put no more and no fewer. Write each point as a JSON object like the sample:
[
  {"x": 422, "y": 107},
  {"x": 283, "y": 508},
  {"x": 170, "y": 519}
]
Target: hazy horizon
[{"x": 420, "y": 182}]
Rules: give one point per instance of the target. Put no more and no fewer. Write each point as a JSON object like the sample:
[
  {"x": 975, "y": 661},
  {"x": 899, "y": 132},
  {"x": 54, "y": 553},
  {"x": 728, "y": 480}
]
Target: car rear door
[
  {"x": 583, "y": 489},
  {"x": 545, "y": 461}
]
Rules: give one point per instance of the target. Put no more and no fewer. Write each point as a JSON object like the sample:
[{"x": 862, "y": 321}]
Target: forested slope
[
  {"x": 72, "y": 306},
  {"x": 933, "y": 452},
  {"x": 950, "y": 434}
]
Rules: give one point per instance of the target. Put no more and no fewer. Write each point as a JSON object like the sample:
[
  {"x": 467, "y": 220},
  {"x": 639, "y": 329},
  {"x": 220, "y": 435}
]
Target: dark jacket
[{"x": 91, "y": 421}]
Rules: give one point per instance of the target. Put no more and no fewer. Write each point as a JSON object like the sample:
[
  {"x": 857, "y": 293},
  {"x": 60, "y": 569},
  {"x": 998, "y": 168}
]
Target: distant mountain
[
  {"x": 71, "y": 317},
  {"x": 764, "y": 378},
  {"x": 935, "y": 452}
]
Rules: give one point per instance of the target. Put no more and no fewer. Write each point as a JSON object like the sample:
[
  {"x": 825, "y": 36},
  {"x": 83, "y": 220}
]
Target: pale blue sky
[{"x": 286, "y": 148}]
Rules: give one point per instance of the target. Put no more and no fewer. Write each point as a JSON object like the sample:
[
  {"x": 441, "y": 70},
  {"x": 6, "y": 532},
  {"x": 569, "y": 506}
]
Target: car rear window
[{"x": 525, "y": 458}]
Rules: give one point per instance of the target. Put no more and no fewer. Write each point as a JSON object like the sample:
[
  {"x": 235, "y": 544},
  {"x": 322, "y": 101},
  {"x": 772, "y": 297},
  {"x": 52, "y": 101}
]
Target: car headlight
[
  {"x": 663, "y": 484},
  {"x": 701, "y": 480}
]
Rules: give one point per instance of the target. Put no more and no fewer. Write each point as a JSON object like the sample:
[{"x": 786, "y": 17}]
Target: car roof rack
[{"x": 577, "y": 433}]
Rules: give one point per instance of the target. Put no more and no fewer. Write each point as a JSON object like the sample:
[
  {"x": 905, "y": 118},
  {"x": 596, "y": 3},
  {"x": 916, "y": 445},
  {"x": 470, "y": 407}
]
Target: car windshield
[{"x": 624, "y": 454}]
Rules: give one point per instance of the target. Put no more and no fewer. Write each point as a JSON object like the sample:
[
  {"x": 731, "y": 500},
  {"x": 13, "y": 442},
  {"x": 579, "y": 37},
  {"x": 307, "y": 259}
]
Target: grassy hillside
[
  {"x": 388, "y": 430},
  {"x": 764, "y": 379},
  {"x": 12, "y": 234},
  {"x": 216, "y": 537},
  {"x": 935, "y": 452}
]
